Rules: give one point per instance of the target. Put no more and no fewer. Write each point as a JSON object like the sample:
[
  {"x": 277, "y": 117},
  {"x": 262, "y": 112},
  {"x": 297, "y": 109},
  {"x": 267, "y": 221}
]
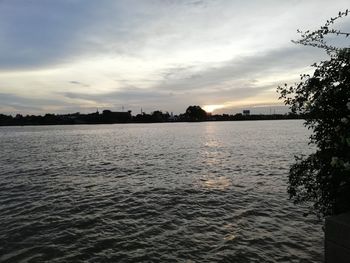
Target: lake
[{"x": 168, "y": 192}]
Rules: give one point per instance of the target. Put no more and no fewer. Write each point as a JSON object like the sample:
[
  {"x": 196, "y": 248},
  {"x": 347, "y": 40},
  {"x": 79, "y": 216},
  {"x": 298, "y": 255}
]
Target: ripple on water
[{"x": 202, "y": 192}]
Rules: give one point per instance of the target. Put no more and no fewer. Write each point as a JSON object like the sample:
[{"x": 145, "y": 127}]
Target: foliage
[
  {"x": 323, "y": 178},
  {"x": 195, "y": 113},
  {"x": 318, "y": 39}
]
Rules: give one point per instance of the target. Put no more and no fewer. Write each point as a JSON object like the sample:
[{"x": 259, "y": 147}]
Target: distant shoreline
[
  {"x": 77, "y": 124},
  {"x": 192, "y": 114}
]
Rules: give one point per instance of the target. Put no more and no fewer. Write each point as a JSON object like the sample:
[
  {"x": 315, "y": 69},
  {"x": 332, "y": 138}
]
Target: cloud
[
  {"x": 156, "y": 54},
  {"x": 243, "y": 68},
  {"x": 238, "y": 80},
  {"x": 39, "y": 105},
  {"x": 39, "y": 33},
  {"x": 36, "y": 34},
  {"x": 125, "y": 95},
  {"x": 24, "y": 104},
  {"x": 79, "y": 83}
]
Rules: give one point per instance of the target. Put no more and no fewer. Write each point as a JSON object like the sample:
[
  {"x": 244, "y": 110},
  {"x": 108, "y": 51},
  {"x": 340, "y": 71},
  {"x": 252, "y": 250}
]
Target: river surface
[{"x": 171, "y": 192}]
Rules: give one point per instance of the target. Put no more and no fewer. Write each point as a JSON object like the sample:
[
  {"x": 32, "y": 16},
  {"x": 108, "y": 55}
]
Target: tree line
[{"x": 192, "y": 114}]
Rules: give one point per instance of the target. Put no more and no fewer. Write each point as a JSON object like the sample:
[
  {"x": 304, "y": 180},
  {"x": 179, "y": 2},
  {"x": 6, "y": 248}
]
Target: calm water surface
[{"x": 176, "y": 192}]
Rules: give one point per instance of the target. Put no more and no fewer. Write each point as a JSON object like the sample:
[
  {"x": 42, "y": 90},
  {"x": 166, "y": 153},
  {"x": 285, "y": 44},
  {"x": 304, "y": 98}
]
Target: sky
[{"x": 82, "y": 55}]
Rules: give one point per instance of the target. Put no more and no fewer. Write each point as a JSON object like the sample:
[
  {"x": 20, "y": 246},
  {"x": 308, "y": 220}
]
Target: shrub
[{"x": 323, "y": 178}]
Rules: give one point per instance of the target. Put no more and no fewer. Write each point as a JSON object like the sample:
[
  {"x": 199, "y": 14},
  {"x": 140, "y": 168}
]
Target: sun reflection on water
[{"x": 218, "y": 183}]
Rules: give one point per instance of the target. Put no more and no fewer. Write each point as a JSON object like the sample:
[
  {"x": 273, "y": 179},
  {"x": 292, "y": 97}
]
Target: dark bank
[{"x": 192, "y": 114}]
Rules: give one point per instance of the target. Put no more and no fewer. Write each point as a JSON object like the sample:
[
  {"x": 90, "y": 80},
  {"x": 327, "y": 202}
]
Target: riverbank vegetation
[
  {"x": 192, "y": 114},
  {"x": 323, "y": 178}
]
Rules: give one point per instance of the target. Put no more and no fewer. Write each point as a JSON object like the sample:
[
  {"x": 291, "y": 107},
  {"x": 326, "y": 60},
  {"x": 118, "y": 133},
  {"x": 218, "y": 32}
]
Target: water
[{"x": 173, "y": 192}]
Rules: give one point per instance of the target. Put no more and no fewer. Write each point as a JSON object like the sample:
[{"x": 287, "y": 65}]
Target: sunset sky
[{"x": 82, "y": 55}]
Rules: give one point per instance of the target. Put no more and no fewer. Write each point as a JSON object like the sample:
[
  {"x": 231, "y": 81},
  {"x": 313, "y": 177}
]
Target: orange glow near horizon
[{"x": 212, "y": 108}]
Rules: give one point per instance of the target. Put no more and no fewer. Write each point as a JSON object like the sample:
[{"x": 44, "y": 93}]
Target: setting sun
[{"x": 211, "y": 108}]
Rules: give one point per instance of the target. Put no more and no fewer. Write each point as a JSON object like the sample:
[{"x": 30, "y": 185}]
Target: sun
[{"x": 211, "y": 108}]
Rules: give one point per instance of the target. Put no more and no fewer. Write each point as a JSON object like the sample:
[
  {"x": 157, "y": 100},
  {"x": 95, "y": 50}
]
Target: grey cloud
[
  {"x": 36, "y": 33},
  {"x": 79, "y": 83},
  {"x": 27, "y": 105},
  {"x": 12, "y": 100},
  {"x": 132, "y": 99},
  {"x": 40, "y": 33},
  {"x": 241, "y": 70},
  {"x": 125, "y": 94},
  {"x": 22, "y": 104},
  {"x": 181, "y": 88},
  {"x": 235, "y": 80},
  {"x": 198, "y": 3},
  {"x": 166, "y": 100},
  {"x": 45, "y": 33}
]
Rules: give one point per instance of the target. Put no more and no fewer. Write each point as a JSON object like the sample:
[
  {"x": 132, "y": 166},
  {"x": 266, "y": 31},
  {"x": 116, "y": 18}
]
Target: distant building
[{"x": 246, "y": 112}]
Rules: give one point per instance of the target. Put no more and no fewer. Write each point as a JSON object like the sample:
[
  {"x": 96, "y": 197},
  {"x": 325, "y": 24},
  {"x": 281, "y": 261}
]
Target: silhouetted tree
[
  {"x": 195, "y": 113},
  {"x": 158, "y": 116},
  {"x": 323, "y": 177}
]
